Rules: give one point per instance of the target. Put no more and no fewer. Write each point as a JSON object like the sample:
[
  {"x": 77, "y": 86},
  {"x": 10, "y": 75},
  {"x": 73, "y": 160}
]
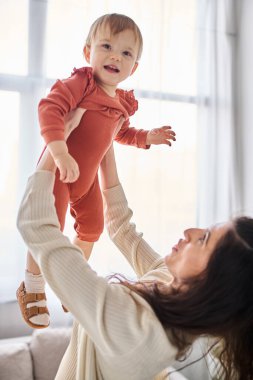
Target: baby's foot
[{"x": 32, "y": 301}]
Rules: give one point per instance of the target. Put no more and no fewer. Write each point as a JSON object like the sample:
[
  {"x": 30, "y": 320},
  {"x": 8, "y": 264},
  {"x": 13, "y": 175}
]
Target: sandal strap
[
  {"x": 29, "y": 297},
  {"x": 25, "y": 298},
  {"x": 33, "y": 297},
  {"x": 35, "y": 310}
]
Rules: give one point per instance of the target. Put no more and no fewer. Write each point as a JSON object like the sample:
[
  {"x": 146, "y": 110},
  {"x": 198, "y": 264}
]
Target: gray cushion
[
  {"x": 47, "y": 349},
  {"x": 15, "y": 362}
]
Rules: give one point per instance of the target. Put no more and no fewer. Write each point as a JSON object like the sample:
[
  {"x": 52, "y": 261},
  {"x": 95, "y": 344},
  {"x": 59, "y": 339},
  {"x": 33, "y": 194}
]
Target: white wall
[{"x": 244, "y": 100}]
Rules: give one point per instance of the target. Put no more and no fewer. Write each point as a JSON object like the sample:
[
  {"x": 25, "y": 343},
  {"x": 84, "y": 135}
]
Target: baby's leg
[
  {"x": 31, "y": 293},
  {"x": 86, "y": 247},
  {"x": 31, "y": 296},
  {"x": 34, "y": 306},
  {"x": 89, "y": 218}
]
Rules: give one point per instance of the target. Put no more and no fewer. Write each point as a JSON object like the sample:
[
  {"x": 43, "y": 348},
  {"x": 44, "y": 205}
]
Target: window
[{"x": 160, "y": 183}]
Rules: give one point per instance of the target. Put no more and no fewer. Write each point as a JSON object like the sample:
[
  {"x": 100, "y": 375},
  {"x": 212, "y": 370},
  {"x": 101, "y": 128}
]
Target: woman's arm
[
  {"x": 118, "y": 221},
  {"x": 95, "y": 304},
  {"x": 108, "y": 170},
  {"x": 46, "y": 162}
]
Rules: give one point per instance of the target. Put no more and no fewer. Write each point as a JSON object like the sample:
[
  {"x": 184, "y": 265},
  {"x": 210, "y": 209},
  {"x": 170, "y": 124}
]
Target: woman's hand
[{"x": 72, "y": 120}]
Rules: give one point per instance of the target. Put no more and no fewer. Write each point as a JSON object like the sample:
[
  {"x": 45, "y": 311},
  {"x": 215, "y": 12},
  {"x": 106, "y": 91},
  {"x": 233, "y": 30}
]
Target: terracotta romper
[{"x": 88, "y": 143}]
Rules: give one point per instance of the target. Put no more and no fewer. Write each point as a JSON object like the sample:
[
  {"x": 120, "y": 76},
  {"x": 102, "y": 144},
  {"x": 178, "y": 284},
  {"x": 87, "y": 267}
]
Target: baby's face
[{"x": 112, "y": 57}]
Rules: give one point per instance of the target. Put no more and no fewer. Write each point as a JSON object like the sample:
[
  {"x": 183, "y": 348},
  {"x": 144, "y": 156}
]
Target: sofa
[
  {"x": 27, "y": 354},
  {"x": 37, "y": 357},
  {"x": 33, "y": 357}
]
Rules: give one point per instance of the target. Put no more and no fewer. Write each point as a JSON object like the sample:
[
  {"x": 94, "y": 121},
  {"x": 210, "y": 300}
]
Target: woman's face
[{"x": 190, "y": 256}]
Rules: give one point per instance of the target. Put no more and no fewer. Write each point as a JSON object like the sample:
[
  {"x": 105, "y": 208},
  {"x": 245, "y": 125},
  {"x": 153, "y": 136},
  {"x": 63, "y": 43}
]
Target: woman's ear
[
  {"x": 86, "y": 52},
  {"x": 134, "y": 68}
]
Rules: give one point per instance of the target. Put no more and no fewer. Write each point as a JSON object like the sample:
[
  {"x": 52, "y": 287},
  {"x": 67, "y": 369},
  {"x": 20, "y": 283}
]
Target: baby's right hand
[{"x": 68, "y": 167}]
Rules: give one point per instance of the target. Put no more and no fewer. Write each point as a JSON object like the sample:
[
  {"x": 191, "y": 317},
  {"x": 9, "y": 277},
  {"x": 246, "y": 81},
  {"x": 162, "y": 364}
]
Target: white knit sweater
[{"x": 116, "y": 335}]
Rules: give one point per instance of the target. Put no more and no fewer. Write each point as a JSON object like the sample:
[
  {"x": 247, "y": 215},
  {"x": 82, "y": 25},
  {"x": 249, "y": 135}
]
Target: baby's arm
[
  {"x": 57, "y": 109},
  {"x": 142, "y": 138},
  {"x": 69, "y": 171},
  {"x": 162, "y": 135}
]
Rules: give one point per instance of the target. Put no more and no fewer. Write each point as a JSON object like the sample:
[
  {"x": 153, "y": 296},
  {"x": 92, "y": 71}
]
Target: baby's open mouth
[{"x": 111, "y": 69}]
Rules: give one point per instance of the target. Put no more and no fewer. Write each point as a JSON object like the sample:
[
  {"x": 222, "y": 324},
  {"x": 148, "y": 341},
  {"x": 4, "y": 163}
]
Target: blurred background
[{"x": 195, "y": 75}]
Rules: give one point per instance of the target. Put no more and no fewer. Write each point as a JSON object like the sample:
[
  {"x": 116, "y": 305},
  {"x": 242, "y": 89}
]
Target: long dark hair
[{"x": 217, "y": 303}]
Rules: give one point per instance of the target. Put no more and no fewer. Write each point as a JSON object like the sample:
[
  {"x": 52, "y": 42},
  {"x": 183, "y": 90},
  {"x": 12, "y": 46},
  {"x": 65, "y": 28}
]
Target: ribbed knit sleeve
[
  {"x": 123, "y": 233},
  {"x": 116, "y": 323}
]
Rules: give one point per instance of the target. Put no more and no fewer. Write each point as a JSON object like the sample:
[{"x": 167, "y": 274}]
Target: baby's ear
[
  {"x": 134, "y": 68},
  {"x": 86, "y": 52}
]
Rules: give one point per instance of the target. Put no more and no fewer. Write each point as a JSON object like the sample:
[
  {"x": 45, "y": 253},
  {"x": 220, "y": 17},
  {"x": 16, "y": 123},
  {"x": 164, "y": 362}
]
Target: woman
[{"x": 135, "y": 330}]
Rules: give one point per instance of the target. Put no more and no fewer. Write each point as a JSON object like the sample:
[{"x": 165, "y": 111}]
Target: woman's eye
[{"x": 202, "y": 238}]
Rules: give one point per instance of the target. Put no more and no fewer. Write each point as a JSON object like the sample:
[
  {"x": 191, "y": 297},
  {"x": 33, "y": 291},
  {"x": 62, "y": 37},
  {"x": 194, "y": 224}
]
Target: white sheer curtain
[
  {"x": 44, "y": 44},
  {"x": 218, "y": 192}
]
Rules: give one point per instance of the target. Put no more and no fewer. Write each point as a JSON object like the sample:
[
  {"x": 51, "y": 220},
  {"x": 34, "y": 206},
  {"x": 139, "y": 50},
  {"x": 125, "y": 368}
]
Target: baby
[{"x": 90, "y": 99}]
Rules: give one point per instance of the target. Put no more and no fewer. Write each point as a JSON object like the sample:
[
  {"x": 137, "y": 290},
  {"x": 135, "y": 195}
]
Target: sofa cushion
[
  {"x": 15, "y": 362},
  {"x": 47, "y": 349}
]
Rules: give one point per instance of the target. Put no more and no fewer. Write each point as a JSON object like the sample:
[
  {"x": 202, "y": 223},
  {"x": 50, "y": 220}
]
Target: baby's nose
[{"x": 115, "y": 57}]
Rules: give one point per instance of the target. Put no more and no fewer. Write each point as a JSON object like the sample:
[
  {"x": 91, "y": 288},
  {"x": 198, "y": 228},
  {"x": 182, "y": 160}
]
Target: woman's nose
[
  {"x": 187, "y": 234},
  {"x": 191, "y": 232}
]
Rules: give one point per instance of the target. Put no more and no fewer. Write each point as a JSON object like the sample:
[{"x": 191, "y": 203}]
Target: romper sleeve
[
  {"x": 128, "y": 135},
  {"x": 65, "y": 95},
  {"x": 123, "y": 233}
]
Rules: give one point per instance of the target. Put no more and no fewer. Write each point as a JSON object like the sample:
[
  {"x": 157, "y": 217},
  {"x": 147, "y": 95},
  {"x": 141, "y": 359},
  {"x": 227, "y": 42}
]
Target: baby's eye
[
  {"x": 127, "y": 53},
  {"x": 106, "y": 46}
]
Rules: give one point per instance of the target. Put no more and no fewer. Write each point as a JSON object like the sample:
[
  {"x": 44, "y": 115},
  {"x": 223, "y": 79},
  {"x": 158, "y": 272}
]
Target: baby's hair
[{"x": 117, "y": 23}]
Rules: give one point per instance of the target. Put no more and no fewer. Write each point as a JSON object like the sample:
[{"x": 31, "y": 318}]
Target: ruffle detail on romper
[
  {"x": 128, "y": 101},
  {"x": 86, "y": 72}
]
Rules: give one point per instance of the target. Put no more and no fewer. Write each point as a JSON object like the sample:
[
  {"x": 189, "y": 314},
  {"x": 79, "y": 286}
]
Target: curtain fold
[{"x": 218, "y": 187}]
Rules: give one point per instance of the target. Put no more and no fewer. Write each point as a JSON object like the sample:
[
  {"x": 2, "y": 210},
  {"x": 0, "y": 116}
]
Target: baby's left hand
[{"x": 161, "y": 135}]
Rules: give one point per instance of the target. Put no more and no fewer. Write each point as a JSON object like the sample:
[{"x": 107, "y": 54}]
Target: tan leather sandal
[{"x": 25, "y": 298}]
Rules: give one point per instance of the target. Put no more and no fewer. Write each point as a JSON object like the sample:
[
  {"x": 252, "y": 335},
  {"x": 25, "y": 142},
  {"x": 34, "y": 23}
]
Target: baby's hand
[
  {"x": 161, "y": 135},
  {"x": 68, "y": 167}
]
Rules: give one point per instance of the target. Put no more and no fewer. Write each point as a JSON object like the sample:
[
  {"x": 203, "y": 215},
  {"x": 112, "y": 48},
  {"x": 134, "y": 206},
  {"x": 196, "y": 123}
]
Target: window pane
[
  {"x": 10, "y": 255},
  {"x": 168, "y": 61},
  {"x": 160, "y": 184},
  {"x": 169, "y": 54},
  {"x": 64, "y": 44},
  {"x": 14, "y": 36}
]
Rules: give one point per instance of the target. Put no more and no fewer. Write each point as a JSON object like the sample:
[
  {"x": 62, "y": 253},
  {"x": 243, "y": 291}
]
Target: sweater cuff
[
  {"x": 42, "y": 180},
  {"x": 114, "y": 194}
]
